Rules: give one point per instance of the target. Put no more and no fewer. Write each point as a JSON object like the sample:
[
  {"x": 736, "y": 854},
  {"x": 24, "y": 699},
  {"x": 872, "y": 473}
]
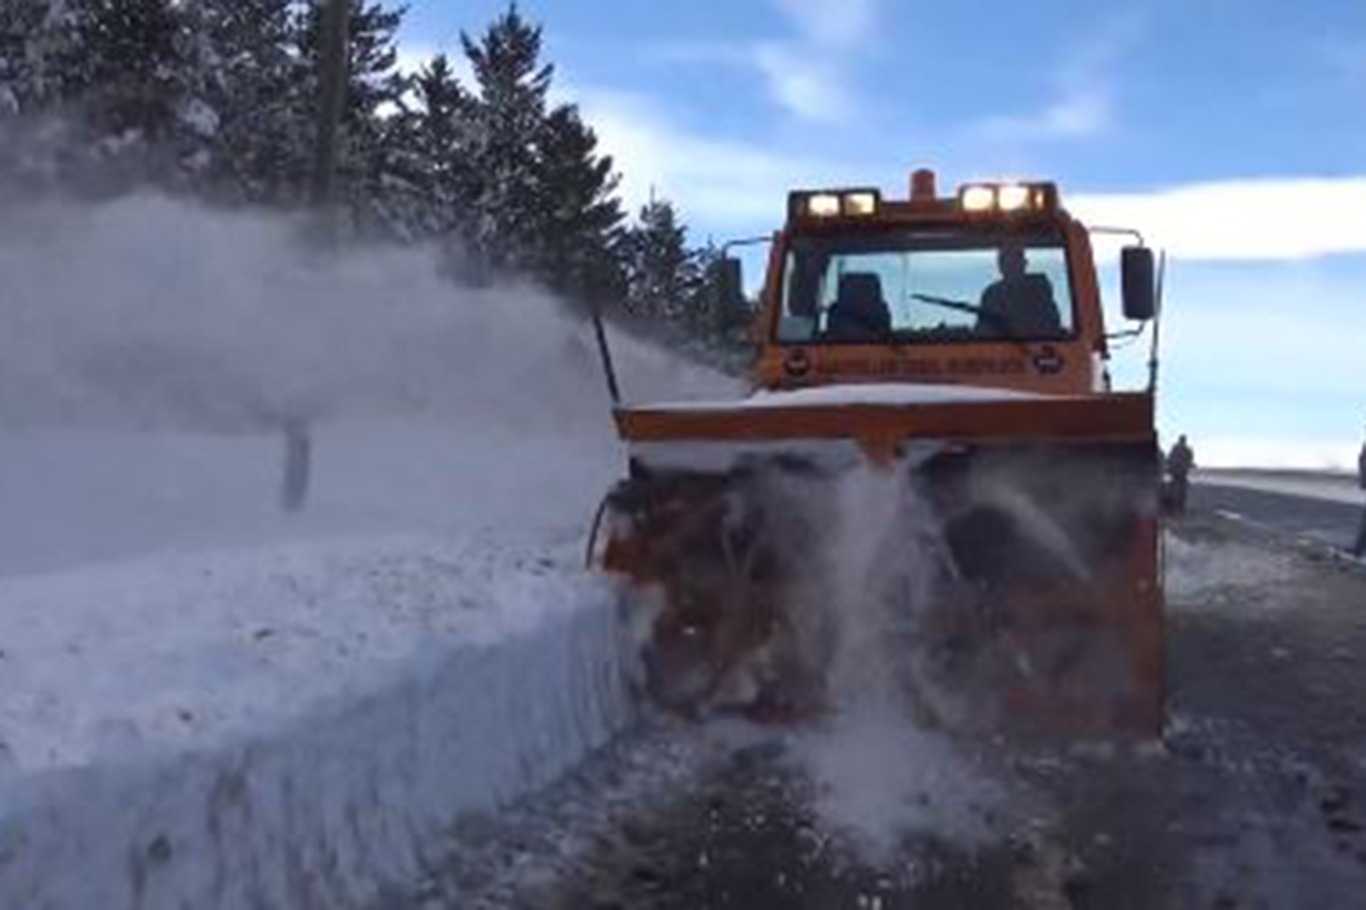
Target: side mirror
[
  {"x": 1136, "y": 277},
  {"x": 730, "y": 285}
]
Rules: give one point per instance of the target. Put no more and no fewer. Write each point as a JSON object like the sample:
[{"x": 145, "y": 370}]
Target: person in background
[
  {"x": 1179, "y": 464},
  {"x": 1359, "y": 549}
]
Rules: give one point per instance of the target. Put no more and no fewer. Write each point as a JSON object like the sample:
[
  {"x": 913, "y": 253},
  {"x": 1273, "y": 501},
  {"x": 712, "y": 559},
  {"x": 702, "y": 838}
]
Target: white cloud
[
  {"x": 807, "y": 75},
  {"x": 1267, "y": 218},
  {"x": 1081, "y": 111},
  {"x": 716, "y": 181},
  {"x": 832, "y": 23},
  {"x": 1262, "y": 361},
  {"x": 809, "y": 88},
  {"x": 1083, "y": 104},
  {"x": 806, "y": 72}
]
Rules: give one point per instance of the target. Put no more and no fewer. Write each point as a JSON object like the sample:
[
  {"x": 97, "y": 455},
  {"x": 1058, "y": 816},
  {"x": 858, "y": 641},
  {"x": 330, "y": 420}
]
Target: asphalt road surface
[{"x": 1324, "y": 520}]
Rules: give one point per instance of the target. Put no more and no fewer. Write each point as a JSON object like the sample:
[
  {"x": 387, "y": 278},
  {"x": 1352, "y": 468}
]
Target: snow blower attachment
[{"x": 949, "y": 354}]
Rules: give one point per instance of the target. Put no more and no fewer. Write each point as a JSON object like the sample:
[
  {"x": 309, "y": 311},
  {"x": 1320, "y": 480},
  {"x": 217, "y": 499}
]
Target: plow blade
[{"x": 1005, "y": 552}]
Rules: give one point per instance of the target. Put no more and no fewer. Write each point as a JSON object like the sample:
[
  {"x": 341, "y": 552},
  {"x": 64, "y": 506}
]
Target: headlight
[
  {"x": 978, "y": 198},
  {"x": 1013, "y": 197},
  {"x": 823, "y": 205},
  {"x": 859, "y": 204}
]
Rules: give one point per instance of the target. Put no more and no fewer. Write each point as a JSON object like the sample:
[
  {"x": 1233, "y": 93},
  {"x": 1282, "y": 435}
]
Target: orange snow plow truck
[{"x": 931, "y": 472}]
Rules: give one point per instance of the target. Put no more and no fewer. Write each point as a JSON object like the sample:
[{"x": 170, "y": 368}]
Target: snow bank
[{"x": 285, "y": 728}]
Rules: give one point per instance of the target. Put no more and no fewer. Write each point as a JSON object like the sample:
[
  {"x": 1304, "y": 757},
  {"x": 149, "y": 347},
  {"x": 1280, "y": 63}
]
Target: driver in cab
[{"x": 1020, "y": 303}]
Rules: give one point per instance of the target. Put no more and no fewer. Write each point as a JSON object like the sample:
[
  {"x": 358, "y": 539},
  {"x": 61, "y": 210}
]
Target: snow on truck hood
[
  {"x": 850, "y": 394},
  {"x": 719, "y": 455}
]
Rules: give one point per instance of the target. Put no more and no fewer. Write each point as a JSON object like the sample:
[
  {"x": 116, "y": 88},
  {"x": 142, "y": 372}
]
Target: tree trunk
[
  {"x": 334, "y": 22},
  {"x": 334, "y": 38}
]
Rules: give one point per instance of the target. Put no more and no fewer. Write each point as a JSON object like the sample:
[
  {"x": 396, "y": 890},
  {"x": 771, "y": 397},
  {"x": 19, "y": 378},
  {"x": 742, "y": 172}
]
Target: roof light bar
[
  {"x": 1007, "y": 198},
  {"x": 824, "y": 204}
]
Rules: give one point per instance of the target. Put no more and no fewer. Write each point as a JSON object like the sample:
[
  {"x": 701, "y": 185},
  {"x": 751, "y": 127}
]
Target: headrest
[{"x": 860, "y": 288}]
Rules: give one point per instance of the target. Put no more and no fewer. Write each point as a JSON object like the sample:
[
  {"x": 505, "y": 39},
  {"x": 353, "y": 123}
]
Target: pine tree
[
  {"x": 725, "y": 321},
  {"x": 506, "y": 116},
  {"x": 541, "y": 201},
  {"x": 431, "y": 136},
  {"x": 579, "y": 214},
  {"x": 663, "y": 275}
]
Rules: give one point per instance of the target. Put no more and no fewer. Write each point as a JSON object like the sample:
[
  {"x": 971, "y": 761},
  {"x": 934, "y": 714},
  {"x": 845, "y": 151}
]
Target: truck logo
[
  {"x": 797, "y": 363},
  {"x": 1049, "y": 362}
]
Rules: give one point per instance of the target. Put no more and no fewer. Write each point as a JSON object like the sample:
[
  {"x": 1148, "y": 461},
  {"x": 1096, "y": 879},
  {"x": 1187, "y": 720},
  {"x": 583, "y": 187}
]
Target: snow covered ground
[
  {"x": 1201, "y": 573},
  {"x": 210, "y": 703}
]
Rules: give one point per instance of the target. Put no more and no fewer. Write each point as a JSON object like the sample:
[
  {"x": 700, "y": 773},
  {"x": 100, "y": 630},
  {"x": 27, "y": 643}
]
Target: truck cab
[{"x": 992, "y": 287}]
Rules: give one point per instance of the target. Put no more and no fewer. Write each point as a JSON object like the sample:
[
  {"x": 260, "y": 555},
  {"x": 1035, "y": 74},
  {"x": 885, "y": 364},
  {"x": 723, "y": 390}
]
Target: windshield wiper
[{"x": 1000, "y": 320}]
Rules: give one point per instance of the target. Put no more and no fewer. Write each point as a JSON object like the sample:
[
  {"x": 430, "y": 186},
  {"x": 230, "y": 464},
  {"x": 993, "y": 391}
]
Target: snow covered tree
[
  {"x": 125, "y": 65},
  {"x": 34, "y": 140},
  {"x": 20, "y": 20},
  {"x": 34, "y": 37},
  {"x": 131, "y": 75},
  {"x": 252, "y": 69},
  {"x": 663, "y": 277}
]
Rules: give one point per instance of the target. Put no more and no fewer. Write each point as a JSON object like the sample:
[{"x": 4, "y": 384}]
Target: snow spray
[
  {"x": 156, "y": 351},
  {"x": 880, "y": 768}
]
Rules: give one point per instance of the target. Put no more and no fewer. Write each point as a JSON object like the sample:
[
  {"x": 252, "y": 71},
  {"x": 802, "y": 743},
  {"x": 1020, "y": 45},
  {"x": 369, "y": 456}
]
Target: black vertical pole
[
  {"x": 1155, "y": 351},
  {"x": 605, "y": 352}
]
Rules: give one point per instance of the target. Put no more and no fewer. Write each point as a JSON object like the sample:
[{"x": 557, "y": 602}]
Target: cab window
[{"x": 917, "y": 286}]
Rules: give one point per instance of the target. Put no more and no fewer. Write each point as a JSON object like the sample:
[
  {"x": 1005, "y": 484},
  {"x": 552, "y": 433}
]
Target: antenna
[{"x": 1153, "y": 358}]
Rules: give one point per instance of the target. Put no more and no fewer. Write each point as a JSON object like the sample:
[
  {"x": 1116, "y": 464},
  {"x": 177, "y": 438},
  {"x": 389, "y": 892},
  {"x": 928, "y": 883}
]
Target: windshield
[{"x": 920, "y": 286}]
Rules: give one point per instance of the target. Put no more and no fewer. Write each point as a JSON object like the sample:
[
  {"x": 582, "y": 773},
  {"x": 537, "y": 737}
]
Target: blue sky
[{"x": 1232, "y": 131}]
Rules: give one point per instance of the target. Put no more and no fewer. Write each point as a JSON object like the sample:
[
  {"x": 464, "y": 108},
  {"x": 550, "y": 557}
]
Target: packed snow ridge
[{"x": 290, "y": 727}]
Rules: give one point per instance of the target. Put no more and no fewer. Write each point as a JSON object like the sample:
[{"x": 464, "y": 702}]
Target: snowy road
[{"x": 1256, "y": 798}]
